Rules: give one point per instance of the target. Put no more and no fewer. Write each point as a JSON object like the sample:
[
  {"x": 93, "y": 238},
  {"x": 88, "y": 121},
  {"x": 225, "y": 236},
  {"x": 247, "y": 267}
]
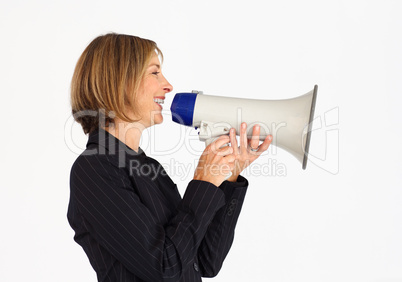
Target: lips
[{"x": 159, "y": 100}]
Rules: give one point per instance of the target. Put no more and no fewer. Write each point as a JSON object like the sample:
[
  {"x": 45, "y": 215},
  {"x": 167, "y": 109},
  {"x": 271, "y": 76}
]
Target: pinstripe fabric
[{"x": 132, "y": 223}]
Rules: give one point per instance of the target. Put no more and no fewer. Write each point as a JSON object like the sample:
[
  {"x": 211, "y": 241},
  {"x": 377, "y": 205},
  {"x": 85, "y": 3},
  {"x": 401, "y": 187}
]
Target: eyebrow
[{"x": 156, "y": 65}]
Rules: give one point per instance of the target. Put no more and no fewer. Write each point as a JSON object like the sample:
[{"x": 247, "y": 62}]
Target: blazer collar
[{"x": 108, "y": 144}]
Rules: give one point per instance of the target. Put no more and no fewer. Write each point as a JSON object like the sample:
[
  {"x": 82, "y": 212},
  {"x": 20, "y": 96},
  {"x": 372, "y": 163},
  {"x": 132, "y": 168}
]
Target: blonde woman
[{"x": 126, "y": 212}]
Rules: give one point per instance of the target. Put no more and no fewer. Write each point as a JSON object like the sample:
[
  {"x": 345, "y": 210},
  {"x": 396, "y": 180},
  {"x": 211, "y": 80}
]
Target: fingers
[
  {"x": 217, "y": 162},
  {"x": 243, "y": 137},
  {"x": 219, "y": 147},
  {"x": 230, "y": 158},
  {"x": 255, "y": 139},
  {"x": 219, "y": 159},
  {"x": 253, "y": 143},
  {"x": 264, "y": 146},
  {"x": 233, "y": 141},
  {"x": 225, "y": 151},
  {"x": 221, "y": 141},
  {"x": 245, "y": 143}
]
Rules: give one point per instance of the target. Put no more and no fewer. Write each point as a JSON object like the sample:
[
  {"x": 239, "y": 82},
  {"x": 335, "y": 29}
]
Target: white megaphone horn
[{"x": 289, "y": 121}]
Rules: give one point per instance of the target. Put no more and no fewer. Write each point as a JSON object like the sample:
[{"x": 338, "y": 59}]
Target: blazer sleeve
[
  {"x": 219, "y": 237},
  {"x": 128, "y": 230}
]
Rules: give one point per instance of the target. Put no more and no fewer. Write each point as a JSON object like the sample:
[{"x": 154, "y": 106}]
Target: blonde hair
[{"x": 107, "y": 77}]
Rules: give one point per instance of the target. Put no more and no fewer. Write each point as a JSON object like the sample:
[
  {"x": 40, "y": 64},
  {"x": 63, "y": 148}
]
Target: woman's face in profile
[{"x": 151, "y": 94}]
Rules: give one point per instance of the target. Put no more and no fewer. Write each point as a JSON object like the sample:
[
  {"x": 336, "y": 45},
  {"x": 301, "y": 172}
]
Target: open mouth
[{"x": 159, "y": 101}]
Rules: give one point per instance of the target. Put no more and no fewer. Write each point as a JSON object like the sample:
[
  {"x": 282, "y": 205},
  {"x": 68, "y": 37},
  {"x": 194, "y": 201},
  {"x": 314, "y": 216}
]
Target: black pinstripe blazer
[{"x": 131, "y": 221}]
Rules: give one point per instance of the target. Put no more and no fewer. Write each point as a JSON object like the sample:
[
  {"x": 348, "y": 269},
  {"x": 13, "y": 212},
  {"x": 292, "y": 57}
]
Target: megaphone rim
[{"x": 310, "y": 124}]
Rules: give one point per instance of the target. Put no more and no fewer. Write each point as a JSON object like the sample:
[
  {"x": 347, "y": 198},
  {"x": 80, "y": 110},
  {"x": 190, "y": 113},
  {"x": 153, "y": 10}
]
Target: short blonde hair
[{"x": 107, "y": 77}]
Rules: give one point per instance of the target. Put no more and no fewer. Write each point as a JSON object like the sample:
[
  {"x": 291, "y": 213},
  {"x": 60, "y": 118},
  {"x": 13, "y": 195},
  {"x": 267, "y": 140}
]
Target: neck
[{"x": 128, "y": 133}]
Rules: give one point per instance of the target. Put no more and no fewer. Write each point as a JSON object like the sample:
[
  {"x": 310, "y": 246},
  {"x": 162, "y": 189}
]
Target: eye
[{"x": 156, "y": 73}]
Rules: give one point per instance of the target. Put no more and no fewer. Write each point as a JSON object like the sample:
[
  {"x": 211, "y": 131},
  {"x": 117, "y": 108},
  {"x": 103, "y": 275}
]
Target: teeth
[{"x": 159, "y": 101}]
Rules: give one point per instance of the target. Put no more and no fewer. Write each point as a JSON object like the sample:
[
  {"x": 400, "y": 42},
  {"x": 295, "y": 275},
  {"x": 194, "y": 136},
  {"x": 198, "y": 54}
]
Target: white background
[{"x": 339, "y": 220}]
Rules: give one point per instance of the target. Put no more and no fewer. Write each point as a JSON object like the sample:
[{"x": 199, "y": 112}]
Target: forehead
[{"x": 154, "y": 60}]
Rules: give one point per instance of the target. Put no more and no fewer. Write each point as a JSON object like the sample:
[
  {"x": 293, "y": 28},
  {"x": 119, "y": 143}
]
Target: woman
[{"x": 127, "y": 214}]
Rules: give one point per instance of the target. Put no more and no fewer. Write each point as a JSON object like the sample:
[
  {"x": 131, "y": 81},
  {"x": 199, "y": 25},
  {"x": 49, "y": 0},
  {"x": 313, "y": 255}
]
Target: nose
[{"x": 167, "y": 86}]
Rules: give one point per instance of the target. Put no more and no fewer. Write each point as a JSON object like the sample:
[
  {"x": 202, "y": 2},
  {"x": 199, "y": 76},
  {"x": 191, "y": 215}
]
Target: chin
[{"x": 158, "y": 119}]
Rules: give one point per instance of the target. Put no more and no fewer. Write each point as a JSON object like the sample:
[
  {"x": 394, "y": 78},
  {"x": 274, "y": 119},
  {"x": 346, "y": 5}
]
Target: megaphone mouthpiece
[{"x": 183, "y": 108}]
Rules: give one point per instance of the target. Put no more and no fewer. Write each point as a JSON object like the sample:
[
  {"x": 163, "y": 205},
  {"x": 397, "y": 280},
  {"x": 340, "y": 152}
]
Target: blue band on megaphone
[{"x": 183, "y": 108}]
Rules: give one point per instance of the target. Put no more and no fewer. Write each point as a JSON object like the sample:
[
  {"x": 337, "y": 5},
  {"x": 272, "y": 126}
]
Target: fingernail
[{"x": 270, "y": 137}]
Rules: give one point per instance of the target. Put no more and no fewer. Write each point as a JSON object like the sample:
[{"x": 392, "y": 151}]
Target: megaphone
[{"x": 289, "y": 121}]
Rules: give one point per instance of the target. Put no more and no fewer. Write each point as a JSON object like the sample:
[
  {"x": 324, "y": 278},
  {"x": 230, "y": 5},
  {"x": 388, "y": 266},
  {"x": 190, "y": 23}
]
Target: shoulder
[
  {"x": 92, "y": 166},
  {"x": 92, "y": 160}
]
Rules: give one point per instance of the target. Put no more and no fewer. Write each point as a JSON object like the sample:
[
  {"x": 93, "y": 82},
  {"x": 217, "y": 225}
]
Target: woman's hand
[
  {"x": 216, "y": 162},
  {"x": 244, "y": 154}
]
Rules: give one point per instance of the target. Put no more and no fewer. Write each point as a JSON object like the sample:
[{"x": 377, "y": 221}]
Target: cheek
[
  {"x": 143, "y": 95},
  {"x": 146, "y": 93}
]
